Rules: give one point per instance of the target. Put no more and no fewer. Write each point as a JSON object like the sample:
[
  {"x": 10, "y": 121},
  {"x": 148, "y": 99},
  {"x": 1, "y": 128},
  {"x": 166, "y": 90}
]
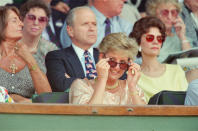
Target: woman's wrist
[
  {"x": 183, "y": 39},
  {"x": 101, "y": 77},
  {"x": 132, "y": 87},
  {"x": 134, "y": 93},
  {"x": 32, "y": 66}
]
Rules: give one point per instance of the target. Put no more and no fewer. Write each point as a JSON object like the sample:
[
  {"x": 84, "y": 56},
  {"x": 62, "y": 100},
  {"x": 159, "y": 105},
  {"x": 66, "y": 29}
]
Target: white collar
[{"x": 80, "y": 52}]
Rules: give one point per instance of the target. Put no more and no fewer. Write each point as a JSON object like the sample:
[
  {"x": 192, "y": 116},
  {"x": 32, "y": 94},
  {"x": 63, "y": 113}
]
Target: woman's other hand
[
  {"x": 102, "y": 68},
  {"x": 180, "y": 28},
  {"x": 133, "y": 75},
  {"x": 22, "y": 51}
]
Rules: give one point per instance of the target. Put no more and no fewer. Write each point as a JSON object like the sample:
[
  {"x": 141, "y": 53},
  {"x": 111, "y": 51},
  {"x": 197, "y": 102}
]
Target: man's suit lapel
[{"x": 75, "y": 62}]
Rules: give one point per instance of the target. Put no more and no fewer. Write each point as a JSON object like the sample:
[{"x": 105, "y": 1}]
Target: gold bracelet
[{"x": 33, "y": 68}]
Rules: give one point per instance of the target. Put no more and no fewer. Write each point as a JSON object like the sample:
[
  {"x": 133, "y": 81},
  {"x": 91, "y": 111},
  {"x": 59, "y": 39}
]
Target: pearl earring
[{"x": 140, "y": 49}]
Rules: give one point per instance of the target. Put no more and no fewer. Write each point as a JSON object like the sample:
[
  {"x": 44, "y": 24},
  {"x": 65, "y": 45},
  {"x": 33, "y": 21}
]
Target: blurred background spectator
[
  {"x": 130, "y": 13},
  {"x": 140, "y": 5},
  {"x": 4, "y": 2},
  {"x": 189, "y": 15}
]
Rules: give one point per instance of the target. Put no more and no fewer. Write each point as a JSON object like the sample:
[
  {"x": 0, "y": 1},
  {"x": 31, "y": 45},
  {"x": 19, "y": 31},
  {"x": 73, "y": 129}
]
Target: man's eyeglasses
[
  {"x": 42, "y": 19},
  {"x": 150, "y": 38},
  {"x": 165, "y": 13},
  {"x": 122, "y": 65}
]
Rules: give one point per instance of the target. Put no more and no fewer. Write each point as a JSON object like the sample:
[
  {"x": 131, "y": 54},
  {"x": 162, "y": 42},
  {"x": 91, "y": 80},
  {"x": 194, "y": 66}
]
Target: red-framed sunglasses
[
  {"x": 150, "y": 38},
  {"x": 165, "y": 12},
  {"x": 42, "y": 19},
  {"x": 122, "y": 65}
]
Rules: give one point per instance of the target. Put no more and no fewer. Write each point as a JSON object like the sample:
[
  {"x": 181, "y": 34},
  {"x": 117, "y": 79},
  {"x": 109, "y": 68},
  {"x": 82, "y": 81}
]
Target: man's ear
[{"x": 70, "y": 31}]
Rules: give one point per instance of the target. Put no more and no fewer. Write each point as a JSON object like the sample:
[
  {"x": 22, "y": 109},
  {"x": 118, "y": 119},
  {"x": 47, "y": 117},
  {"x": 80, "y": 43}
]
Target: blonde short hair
[
  {"x": 119, "y": 42},
  {"x": 152, "y": 5}
]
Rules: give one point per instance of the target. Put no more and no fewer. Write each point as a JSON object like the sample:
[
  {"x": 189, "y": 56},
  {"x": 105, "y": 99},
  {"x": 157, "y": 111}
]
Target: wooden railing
[
  {"x": 68, "y": 109},
  {"x": 65, "y": 117}
]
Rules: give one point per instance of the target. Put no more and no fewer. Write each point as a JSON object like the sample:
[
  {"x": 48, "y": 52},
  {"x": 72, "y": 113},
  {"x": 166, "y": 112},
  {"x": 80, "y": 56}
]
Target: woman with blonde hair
[
  {"x": 168, "y": 12},
  {"x": 117, "y": 53}
]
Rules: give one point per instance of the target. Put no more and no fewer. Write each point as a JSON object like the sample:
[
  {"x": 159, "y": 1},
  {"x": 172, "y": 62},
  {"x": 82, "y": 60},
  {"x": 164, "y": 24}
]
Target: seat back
[
  {"x": 51, "y": 97},
  {"x": 168, "y": 98}
]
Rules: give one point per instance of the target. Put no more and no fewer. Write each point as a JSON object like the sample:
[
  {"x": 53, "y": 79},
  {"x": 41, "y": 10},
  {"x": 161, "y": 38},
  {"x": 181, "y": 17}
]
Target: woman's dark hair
[
  {"x": 25, "y": 8},
  {"x": 4, "y": 19},
  {"x": 143, "y": 25}
]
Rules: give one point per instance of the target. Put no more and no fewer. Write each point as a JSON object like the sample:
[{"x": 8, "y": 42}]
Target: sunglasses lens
[
  {"x": 112, "y": 63},
  {"x": 43, "y": 19},
  {"x": 174, "y": 13},
  {"x": 150, "y": 38},
  {"x": 31, "y": 17},
  {"x": 165, "y": 12},
  {"x": 159, "y": 39},
  {"x": 40, "y": 19},
  {"x": 124, "y": 66}
]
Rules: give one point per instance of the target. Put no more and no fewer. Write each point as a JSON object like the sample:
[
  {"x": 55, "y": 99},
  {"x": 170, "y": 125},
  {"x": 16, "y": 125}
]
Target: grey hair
[
  {"x": 152, "y": 5},
  {"x": 71, "y": 15}
]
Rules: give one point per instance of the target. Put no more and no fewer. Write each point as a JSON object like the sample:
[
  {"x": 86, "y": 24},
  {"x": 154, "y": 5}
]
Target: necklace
[
  {"x": 13, "y": 67},
  {"x": 112, "y": 87}
]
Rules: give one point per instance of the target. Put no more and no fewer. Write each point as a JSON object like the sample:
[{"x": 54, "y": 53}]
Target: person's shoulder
[
  {"x": 121, "y": 20},
  {"x": 124, "y": 25},
  {"x": 174, "y": 67},
  {"x": 46, "y": 46},
  {"x": 58, "y": 53}
]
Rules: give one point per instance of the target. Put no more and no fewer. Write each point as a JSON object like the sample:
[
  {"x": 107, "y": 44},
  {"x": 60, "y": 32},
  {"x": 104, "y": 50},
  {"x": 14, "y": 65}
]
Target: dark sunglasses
[
  {"x": 41, "y": 19},
  {"x": 122, "y": 65},
  {"x": 165, "y": 13},
  {"x": 150, "y": 38}
]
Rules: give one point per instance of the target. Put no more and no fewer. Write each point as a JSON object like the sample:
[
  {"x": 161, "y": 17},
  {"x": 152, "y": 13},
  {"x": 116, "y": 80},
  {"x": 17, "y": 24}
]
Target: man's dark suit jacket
[
  {"x": 64, "y": 61},
  {"x": 58, "y": 21}
]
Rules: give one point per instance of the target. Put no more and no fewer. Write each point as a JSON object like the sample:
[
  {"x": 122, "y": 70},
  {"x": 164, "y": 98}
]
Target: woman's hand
[
  {"x": 37, "y": 75},
  {"x": 133, "y": 75},
  {"x": 22, "y": 51},
  {"x": 102, "y": 68},
  {"x": 180, "y": 28}
]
